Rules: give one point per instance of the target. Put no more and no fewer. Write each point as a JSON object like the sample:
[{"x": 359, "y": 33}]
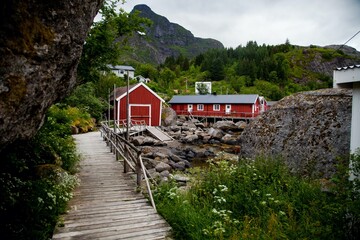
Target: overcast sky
[{"x": 235, "y": 22}]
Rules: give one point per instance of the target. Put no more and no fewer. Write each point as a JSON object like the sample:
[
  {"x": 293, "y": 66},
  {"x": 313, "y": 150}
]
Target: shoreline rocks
[{"x": 192, "y": 141}]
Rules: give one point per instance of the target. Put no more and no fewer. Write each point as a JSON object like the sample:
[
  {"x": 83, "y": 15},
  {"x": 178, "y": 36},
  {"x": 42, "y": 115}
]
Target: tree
[
  {"x": 217, "y": 71},
  {"x": 147, "y": 70},
  {"x": 103, "y": 45},
  {"x": 83, "y": 97},
  {"x": 202, "y": 88},
  {"x": 167, "y": 78}
]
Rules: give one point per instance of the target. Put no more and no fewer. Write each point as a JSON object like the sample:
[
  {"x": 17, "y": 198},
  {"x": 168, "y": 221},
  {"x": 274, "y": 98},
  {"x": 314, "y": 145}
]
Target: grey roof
[
  {"x": 347, "y": 67},
  {"x": 215, "y": 99},
  {"x": 121, "y": 67}
]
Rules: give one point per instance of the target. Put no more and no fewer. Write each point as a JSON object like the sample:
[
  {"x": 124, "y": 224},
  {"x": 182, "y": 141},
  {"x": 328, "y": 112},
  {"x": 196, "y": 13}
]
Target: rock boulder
[
  {"x": 310, "y": 130},
  {"x": 40, "y": 47}
]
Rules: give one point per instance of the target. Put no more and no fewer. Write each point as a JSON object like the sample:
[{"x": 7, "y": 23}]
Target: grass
[{"x": 258, "y": 199}]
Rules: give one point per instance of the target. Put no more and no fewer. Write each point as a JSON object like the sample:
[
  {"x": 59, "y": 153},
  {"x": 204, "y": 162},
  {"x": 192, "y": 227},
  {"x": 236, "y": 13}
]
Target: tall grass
[{"x": 259, "y": 199}]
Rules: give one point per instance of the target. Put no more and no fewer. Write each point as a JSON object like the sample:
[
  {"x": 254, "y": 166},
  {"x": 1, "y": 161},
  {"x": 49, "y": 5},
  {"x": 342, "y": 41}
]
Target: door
[
  {"x": 190, "y": 107},
  {"x": 228, "y": 109},
  {"x": 140, "y": 114}
]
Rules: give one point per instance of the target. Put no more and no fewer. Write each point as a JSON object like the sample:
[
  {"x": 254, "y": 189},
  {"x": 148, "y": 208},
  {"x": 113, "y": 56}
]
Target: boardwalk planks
[{"x": 106, "y": 205}]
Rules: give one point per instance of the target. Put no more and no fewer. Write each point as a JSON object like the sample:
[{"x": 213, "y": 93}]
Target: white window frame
[
  {"x": 216, "y": 107},
  {"x": 200, "y": 107}
]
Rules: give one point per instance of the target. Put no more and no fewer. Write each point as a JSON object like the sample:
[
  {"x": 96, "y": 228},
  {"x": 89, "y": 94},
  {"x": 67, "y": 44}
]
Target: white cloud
[{"x": 235, "y": 22}]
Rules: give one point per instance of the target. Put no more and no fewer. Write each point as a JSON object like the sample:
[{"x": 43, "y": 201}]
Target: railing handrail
[
  {"x": 209, "y": 113},
  {"x": 121, "y": 146}
]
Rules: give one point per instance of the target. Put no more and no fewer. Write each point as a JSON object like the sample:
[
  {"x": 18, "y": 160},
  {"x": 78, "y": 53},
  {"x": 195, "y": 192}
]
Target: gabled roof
[
  {"x": 215, "y": 99},
  {"x": 121, "y": 91},
  {"x": 121, "y": 67},
  {"x": 347, "y": 67}
]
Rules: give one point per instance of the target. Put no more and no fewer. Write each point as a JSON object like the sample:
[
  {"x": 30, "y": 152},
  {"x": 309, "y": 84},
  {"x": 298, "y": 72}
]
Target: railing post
[
  {"x": 112, "y": 140},
  {"x": 138, "y": 170},
  {"x": 127, "y": 155}
]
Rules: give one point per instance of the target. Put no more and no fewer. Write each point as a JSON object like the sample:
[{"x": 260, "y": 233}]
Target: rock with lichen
[
  {"x": 40, "y": 47},
  {"x": 310, "y": 130}
]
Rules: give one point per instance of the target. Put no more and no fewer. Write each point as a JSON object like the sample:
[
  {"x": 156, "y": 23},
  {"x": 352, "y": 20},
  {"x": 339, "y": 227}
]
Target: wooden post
[
  {"x": 109, "y": 109},
  {"x": 126, "y": 167},
  {"x": 138, "y": 170},
  {"x": 114, "y": 100}
]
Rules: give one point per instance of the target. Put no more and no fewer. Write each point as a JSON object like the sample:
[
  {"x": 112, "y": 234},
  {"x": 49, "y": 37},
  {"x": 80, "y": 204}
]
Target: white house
[
  {"x": 142, "y": 79},
  {"x": 206, "y": 85},
  {"x": 349, "y": 77},
  {"x": 122, "y": 70}
]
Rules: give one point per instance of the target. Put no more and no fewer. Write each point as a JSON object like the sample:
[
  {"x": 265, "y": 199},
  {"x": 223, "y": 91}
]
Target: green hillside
[{"x": 272, "y": 71}]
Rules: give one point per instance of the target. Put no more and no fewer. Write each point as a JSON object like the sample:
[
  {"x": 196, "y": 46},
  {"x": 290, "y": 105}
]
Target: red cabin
[
  {"x": 240, "y": 106},
  {"x": 144, "y": 104}
]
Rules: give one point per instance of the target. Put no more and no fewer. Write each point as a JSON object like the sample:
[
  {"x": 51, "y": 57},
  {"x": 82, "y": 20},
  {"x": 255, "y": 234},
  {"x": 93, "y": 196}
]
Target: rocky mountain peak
[{"x": 164, "y": 39}]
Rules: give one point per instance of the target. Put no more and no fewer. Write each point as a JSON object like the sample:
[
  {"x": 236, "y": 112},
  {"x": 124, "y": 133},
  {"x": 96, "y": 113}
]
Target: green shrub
[
  {"x": 257, "y": 199},
  {"x": 35, "y": 183}
]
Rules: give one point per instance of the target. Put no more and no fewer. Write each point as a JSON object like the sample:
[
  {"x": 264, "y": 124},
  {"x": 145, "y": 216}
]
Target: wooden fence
[{"x": 130, "y": 154}]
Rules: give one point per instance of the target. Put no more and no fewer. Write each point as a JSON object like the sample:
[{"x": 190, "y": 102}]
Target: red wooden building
[
  {"x": 144, "y": 104},
  {"x": 241, "y": 106}
]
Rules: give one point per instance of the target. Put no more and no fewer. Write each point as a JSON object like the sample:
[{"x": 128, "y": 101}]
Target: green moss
[
  {"x": 29, "y": 30},
  {"x": 17, "y": 91}
]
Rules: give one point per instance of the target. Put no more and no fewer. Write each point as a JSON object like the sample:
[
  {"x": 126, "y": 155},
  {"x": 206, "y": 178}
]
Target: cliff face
[
  {"x": 326, "y": 66},
  {"x": 164, "y": 39},
  {"x": 310, "y": 130},
  {"x": 40, "y": 46}
]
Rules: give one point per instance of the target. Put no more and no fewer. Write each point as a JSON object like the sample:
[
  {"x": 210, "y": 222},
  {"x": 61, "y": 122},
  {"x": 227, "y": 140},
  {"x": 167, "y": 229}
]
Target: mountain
[{"x": 164, "y": 39}]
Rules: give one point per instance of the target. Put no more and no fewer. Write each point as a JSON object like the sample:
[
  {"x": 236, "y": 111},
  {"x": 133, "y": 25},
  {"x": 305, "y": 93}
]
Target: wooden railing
[
  {"x": 136, "y": 126},
  {"x": 220, "y": 114},
  {"x": 130, "y": 154}
]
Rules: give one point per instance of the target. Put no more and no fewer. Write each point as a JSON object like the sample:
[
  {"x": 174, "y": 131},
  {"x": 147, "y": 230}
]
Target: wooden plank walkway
[
  {"x": 156, "y": 132},
  {"x": 106, "y": 205}
]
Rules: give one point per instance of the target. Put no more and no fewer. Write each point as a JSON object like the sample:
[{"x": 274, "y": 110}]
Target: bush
[
  {"x": 35, "y": 183},
  {"x": 257, "y": 199},
  {"x": 84, "y": 99}
]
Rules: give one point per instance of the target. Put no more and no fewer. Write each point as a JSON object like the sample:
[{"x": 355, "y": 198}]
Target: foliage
[
  {"x": 102, "y": 45},
  {"x": 35, "y": 176},
  {"x": 35, "y": 180},
  {"x": 272, "y": 71},
  {"x": 84, "y": 97},
  {"x": 259, "y": 199}
]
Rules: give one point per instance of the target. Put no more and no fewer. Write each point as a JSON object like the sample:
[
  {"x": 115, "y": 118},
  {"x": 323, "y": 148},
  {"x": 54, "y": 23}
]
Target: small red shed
[
  {"x": 144, "y": 104},
  {"x": 225, "y": 106}
]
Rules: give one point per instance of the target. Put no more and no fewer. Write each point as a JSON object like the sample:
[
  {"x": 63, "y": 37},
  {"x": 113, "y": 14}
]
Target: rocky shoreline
[
  {"x": 193, "y": 144},
  {"x": 309, "y": 130}
]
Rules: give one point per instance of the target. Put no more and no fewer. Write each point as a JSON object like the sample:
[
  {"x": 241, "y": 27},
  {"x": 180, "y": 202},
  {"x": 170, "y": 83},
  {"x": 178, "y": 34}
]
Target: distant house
[
  {"x": 142, "y": 79},
  {"x": 240, "y": 106},
  {"x": 122, "y": 70},
  {"x": 270, "y": 104},
  {"x": 205, "y": 86},
  {"x": 144, "y": 104}
]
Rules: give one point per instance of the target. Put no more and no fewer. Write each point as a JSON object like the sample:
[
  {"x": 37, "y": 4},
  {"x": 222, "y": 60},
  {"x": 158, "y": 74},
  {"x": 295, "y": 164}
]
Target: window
[
  {"x": 216, "y": 107},
  {"x": 200, "y": 107}
]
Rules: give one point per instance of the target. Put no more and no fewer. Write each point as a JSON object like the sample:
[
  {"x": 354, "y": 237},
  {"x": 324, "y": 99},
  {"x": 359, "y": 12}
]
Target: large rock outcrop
[
  {"x": 310, "y": 130},
  {"x": 40, "y": 46}
]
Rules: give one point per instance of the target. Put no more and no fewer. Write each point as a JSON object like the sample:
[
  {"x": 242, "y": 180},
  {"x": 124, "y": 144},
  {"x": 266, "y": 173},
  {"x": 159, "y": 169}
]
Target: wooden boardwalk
[
  {"x": 106, "y": 205},
  {"x": 156, "y": 132}
]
